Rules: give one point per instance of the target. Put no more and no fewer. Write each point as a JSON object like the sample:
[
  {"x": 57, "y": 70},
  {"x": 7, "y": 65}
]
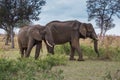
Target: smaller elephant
[
  {"x": 23, "y": 40},
  {"x": 28, "y": 37}
]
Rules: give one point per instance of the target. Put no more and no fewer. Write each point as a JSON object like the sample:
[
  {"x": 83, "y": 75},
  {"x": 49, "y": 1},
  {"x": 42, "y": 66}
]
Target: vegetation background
[
  {"x": 58, "y": 67},
  {"x": 16, "y": 13}
]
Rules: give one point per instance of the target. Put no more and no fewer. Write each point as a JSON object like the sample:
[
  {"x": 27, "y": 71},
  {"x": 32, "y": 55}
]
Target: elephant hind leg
[
  {"x": 22, "y": 52},
  {"x": 72, "y": 52}
]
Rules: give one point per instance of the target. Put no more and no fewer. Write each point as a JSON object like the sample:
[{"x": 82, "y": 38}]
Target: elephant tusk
[{"x": 48, "y": 44}]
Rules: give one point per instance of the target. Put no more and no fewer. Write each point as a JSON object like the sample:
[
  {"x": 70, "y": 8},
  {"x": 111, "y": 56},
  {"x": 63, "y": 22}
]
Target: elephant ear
[
  {"x": 89, "y": 27},
  {"x": 35, "y": 34},
  {"x": 82, "y": 29}
]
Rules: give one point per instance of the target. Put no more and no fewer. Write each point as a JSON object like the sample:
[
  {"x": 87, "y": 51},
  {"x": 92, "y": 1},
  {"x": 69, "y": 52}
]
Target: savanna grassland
[{"x": 58, "y": 66}]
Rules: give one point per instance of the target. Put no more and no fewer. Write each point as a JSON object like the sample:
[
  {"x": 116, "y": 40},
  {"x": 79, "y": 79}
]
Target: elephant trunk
[{"x": 96, "y": 47}]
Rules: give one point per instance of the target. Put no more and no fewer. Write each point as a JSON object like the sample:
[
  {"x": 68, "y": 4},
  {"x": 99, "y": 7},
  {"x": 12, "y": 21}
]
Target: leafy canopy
[
  {"x": 103, "y": 11},
  {"x": 12, "y": 11}
]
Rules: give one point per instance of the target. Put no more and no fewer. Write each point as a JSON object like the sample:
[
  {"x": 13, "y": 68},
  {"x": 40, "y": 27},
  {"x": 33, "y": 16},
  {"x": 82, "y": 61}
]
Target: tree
[
  {"x": 103, "y": 11},
  {"x": 14, "y": 11}
]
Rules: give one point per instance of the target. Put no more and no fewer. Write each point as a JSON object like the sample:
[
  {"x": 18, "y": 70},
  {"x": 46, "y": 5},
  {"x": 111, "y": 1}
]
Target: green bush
[
  {"x": 63, "y": 49},
  {"x": 30, "y": 69},
  {"x": 112, "y": 75},
  {"x": 88, "y": 51},
  {"x": 109, "y": 53}
]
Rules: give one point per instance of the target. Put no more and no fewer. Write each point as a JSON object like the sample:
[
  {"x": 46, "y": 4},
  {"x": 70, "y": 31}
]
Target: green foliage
[
  {"x": 63, "y": 49},
  {"x": 16, "y": 12},
  {"x": 111, "y": 53},
  {"x": 88, "y": 51},
  {"x": 108, "y": 76},
  {"x": 112, "y": 76},
  {"x": 30, "y": 69},
  {"x": 103, "y": 11}
]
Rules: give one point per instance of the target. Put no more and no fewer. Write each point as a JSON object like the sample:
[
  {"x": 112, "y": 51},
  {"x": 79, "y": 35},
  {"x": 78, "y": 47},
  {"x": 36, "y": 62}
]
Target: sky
[
  {"x": 70, "y": 10},
  {"x": 64, "y": 10}
]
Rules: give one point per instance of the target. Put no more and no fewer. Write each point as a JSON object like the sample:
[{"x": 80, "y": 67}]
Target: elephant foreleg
[
  {"x": 30, "y": 46},
  {"x": 25, "y": 52},
  {"x": 38, "y": 47},
  {"x": 79, "y": 54},
  {"x": 75, "y": 44}
]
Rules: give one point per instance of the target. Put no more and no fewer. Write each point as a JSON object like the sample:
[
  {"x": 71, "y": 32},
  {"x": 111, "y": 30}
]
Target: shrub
[
  {"x": 88, "y": 51},
  {"x": 30, "y": 69},
  {"x": 110, "y": 53},
  {"x": 112, "y": 75},
  {"x": 63, "y": 49}
]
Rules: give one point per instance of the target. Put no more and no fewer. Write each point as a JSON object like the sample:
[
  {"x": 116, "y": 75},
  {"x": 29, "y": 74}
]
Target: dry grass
[
  {"x": 109, "y": 41},
  {"x": 74, "y": 70}
]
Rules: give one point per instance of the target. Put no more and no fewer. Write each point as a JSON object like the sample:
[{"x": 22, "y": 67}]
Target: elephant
[
  {"x": 23, "y": 40},
  {"x": 28, "y": 37},
  {"x": 60, "y": 32}
]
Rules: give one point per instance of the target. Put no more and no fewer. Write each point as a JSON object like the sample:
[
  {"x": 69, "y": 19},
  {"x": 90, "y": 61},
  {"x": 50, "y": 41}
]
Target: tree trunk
[
  {"x": 101, "y": 29},
  {"x": 12, "y": 38},
  {"x": 7, "y": 37}
]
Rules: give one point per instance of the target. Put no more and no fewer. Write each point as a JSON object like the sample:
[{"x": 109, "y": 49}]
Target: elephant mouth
[{"x": 49, "y": 44}]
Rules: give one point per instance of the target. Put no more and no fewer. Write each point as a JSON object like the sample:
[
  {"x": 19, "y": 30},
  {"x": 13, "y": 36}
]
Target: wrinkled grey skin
[
  {"x": 23, "y": 40},
  {"x": 58, "y": 32},
  {"x": 28, "y": 37}
]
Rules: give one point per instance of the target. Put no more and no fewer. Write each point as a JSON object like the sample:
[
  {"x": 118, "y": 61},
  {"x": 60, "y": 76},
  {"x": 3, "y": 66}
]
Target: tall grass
[{"x": 110, "y": 48}]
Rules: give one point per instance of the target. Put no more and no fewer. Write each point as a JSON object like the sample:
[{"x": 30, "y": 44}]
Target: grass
[
  {"x": 88, "y": 70},
  {"x": 92, "y": 68}
]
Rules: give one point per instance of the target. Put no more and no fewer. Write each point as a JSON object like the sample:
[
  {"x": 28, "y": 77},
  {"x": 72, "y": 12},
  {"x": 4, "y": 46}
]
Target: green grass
[
  {"x": 60, "y": 67},
  {"x": 88, "y": 70}
]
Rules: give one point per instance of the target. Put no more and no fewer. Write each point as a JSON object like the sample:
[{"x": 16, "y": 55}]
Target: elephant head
[
  {"x": 87, "y": 30},
  {"x": 48, "y": 39},
  {"x": 37, "y": 32}
]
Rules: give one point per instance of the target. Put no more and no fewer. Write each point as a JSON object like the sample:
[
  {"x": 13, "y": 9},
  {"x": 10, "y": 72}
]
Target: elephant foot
[
  {"x": 26, "y": 56},
  {"x": 36, "y": 58},
  {"x": 22, "y": 56},
  {"x": 72, "y": 59},
  {"x": 81, "y": 60}
]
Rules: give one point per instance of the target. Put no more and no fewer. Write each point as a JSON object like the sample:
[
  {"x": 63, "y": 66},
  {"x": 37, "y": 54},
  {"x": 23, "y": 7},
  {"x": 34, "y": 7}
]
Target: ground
[{"x": 89, "y": 69}]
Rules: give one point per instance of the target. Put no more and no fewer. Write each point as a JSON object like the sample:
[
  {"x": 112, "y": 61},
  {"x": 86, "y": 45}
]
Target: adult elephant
[
  {"x": 58, "y": 32},
  {"x": 28, "y": 37}
]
